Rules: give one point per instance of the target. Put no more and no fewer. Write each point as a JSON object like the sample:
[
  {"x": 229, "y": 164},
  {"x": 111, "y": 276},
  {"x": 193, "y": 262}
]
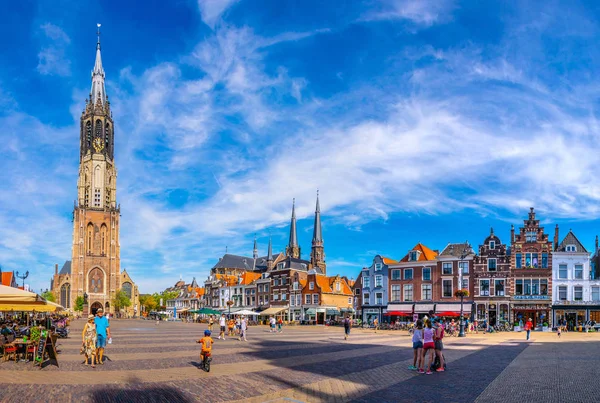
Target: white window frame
[
  {"x": 496, "y": 291},
  {"x": 565, "y": 289},
  {"x": 423, "y": 274},
  {"x": 275, "y": 296},
  {"x": 315, "y": 299},
  {"x": 492, "y": 245},
  {"x": 597, "y": 291},
  {"x": 376, "y": 298},
  {"x": 399, "y": 276},
  {"x": 307, "y": 299},
  {"x": 575, "y": 287},
  {"x": 378, "y": 281},
  {"x": 565, "y": 268},
  {"x": 465, "y": 280},
  {"x": 492, "y": 259},
  {"x": 412, "y": 274},
  {"x": 366, "y": 282},
  {"x": 451, "y": 289},
  {"x": 396, "y": 289},
  {"x": 575, "y": 271},
  {"x": 489, "y": 290},
  {"x": 280, "y": 266},
  {"x": 378, "y": 266},
  {"x": 430, "y": 286},
  {"x": 366, "y": 298},
  {"x": 451, "y": 269},
  {"x": 311, "y": 285},
  {"x": 412, "y": 295}
]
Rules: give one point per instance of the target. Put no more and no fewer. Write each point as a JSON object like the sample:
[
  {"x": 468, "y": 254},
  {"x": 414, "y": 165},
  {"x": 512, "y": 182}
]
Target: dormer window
[
  {"x": 377, "y": 266},
  {"x": 571, "y": 248},
  {"x": 492, "y": 244},
  {"x": 280, "y": 266},
  {"x": 413, "y": 256}
]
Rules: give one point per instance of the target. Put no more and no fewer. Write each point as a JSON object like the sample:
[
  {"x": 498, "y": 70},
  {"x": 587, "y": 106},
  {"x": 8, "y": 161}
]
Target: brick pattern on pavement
[{"x": 304, "y": 364}]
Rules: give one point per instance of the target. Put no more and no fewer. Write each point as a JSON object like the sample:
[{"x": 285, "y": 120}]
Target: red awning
[
  {"x": 455, "y": 314},
  {"x": 397, "y": 313}
]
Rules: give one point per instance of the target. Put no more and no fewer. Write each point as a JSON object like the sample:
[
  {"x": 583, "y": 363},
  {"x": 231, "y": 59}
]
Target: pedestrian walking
[
  {"x": 438, "y": 338},
  {"x": 88, "y": 347},
  {"x": 222, "y": 324},
  {"x": 243, "y": 328},
  {"x": 417, "y": 340},
  {"x": 528, "y": 327},
  {"x": 376, "y": 324},
  {"x": 272, "y": 324},
  {"x": 280, "y": 325},
  {"x": 347, "y": 325},
  {"x": 211, "y": 322},
  {"x": 102, "y": 334},
  {"x": 428, "y": 347}
]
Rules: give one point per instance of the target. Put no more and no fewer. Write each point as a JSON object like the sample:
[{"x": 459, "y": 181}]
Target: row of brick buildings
[
  {"x": 281, "y": 284},
  {"x": 530, "y": 276}
]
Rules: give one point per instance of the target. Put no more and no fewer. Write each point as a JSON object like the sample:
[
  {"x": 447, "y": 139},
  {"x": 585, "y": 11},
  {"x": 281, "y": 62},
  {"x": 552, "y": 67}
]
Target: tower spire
[
  {"x": 293, "y": 250},
  {"x": 255, "y": 250},
  {"x": 317, "y": 235},
  {"x": 98, "y": 93}
]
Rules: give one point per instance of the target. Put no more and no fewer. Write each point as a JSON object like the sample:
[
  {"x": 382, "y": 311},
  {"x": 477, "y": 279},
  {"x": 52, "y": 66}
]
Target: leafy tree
[
  {"x": 49, "y": 296},
  {"x": 79, "y": 304},
  {"x": 121, "y": 300},
  {"x": 148, "y": 302}
]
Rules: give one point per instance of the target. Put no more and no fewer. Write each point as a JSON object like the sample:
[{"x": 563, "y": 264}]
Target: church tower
[
  {"x": 95, "y": 264},
  {"x": 293, "y": 250},
  {"x": 317, "y": 253}
]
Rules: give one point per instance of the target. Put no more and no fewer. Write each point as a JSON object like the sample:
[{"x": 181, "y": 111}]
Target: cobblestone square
[{"x": 159, "y": 363}]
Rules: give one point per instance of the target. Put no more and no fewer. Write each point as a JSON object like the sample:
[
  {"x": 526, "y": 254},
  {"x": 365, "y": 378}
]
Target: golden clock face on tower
[{"x": 98, "y": 144}]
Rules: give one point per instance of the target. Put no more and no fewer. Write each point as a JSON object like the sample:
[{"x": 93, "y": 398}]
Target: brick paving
[{"x": 150, "y": 363}]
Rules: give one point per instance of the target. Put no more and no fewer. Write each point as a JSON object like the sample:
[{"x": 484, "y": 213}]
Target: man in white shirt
[
  {"x": 243, "y": 327},
  {"x": 223, "y": 324},
  {"x": 272, "y": 324}
]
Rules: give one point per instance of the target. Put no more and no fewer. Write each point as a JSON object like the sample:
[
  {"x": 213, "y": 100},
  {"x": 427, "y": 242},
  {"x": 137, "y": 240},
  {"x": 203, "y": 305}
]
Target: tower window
[
  {"x": 97, "y": 199},
  {"x": 88, "y": 133},
  {"x": 98, "y": 128},
  {"x": 107, "y": 136}
]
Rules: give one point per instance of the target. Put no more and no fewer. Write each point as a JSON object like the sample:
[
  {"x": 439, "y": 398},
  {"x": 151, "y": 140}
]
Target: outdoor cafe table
[{"x": 23, "y": 349}]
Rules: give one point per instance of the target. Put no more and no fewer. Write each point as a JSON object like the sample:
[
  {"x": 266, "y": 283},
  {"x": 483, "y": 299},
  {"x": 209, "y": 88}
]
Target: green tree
[
  {"x": 148, "y": 302},
  {"x": 121, "y": 300},
  {"x": 79, "y": 304},
  {"x": 49, "y": 296}
]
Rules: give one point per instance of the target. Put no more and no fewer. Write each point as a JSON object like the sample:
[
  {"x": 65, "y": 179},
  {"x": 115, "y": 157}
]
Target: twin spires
[{"x": 98, "y": 92}]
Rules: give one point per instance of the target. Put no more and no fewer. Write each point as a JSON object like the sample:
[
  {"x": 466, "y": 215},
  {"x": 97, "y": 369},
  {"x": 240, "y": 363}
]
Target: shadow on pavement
[{"x": 152, "y": 394}]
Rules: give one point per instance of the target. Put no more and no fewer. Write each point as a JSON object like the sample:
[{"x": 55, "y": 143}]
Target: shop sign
[{"x": 531, "y": 297}]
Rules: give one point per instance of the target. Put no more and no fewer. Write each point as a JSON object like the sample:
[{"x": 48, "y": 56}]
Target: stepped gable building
[
  {"x": 491, "y": 279},
  {"x": 531, "y": 267},
  {"x": 325, "y": 297},
  {"x": 575, "y": 292},
  {"x": 95, "y": 266}
]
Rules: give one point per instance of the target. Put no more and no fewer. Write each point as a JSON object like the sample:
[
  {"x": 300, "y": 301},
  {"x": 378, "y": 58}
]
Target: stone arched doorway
[{"x": 95, "y": 306}]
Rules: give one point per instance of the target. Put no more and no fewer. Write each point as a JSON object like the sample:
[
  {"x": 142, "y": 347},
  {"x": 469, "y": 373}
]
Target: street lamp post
[
  {"x": 23, "y": 277},
  {"x": 461, "y": 292}
]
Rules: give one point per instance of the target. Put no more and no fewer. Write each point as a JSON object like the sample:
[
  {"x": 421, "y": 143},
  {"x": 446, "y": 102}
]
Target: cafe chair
[
  {"x": 30, "y": 351},
  {"x": 9, "y": 350}
]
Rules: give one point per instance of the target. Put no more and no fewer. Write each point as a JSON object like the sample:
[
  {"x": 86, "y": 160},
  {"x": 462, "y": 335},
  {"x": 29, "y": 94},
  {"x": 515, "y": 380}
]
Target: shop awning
[
  {"x": 449, "y": 313},
  {"x": 452, "y": 308},
  {"x": 332, "y": 312},
  {"x": 423, "y": 308},
  {"x": 272, "y": 311},
  {"x": 347, "y": 310},
  {"x": 403, "y": 308},
  {"x": 397, "y": 313},
  {"x": 311, "y": 311}
]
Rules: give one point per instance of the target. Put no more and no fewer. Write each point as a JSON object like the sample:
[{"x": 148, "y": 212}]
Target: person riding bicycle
[{"x": 206, "y": 343}]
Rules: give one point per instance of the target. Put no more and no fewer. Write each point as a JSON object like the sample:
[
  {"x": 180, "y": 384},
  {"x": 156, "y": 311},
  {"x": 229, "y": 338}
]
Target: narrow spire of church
[
  {"x": 270, "y": 251},
  {"x": 317, "y": 234},
  {"x": 293, "y": 234},
  {"x": 98, "y": 93},
  {"x": 255, "y": 250}
]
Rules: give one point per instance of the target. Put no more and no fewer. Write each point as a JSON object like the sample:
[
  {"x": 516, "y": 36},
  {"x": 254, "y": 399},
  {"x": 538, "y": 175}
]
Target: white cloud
[
  {"x": 420, "y": 12},
  {"x": 212, "y": 10},
  {"x": 52, "y": 58}
]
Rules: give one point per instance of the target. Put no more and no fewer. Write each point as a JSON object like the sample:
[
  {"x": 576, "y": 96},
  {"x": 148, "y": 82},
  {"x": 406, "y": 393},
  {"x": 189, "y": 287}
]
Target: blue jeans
[{"x": 528, "y": 333}]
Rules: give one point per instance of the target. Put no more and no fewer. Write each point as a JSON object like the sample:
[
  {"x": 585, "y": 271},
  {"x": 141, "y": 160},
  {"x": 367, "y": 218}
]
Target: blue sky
[{"x": 418, "y": 121}]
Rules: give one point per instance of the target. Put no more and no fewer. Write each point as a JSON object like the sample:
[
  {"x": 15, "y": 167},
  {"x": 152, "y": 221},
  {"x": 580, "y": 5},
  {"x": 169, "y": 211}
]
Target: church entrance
[{"x": 95, "y": 307}]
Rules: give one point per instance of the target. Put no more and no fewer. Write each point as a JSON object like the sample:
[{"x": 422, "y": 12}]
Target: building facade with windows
[
  {"x": 453, "y": 272},
  {"x": 326, "y": 298},
  {"x": 412, "y": 283},
  {"x": 575, "y": 294},
  {"x": 531, "y": 269},
  {"x": 491, "y": 278},
  {"x": 375, "y": 289}
]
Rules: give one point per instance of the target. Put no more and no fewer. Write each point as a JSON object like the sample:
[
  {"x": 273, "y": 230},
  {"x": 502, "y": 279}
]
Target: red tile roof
[
  {"x": 425, "y": 255},
  {"x": 7, "y": 278}
]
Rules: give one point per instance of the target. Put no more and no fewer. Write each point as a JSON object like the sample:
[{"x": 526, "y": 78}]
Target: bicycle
[{"x": 206, "y": 362}]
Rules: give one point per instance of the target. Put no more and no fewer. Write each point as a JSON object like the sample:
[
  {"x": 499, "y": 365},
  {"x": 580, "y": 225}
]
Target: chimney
[
  {"x": 556, "y": 237},
  {"x": 56, "y": 269},
  {"x": 512, "y": 234}
]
